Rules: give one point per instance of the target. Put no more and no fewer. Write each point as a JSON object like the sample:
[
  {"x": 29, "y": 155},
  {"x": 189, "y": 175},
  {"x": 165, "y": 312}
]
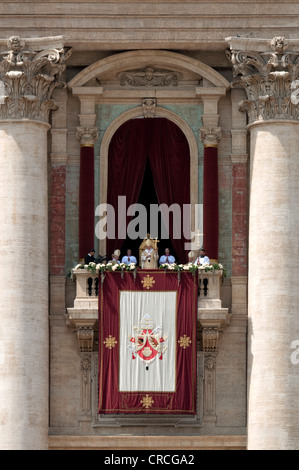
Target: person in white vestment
[
  {"x": 149, "y": 256},
  {"x": 115, "y": 257},
  {"x": 191, "y": 257},
  {"x": 129, "y": 258},
  {"x": 167, "y": 258},
  {"x": 203, "y": 258}
]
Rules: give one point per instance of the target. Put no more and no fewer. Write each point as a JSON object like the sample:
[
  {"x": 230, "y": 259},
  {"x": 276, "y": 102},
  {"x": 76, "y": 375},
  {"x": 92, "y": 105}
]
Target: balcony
[{"x": 83, "y": 316}]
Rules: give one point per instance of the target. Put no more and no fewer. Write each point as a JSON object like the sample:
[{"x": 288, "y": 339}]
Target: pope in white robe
[{"x": 149, "y": 256}]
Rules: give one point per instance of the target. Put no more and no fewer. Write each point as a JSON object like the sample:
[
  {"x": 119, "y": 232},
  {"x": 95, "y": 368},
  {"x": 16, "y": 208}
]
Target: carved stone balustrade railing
[
  {"x": 212, "y": 317},
  {"x": 83, "y": 316}
]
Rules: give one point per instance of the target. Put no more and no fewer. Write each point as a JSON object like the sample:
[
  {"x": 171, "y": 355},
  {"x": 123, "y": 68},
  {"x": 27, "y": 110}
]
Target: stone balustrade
[{"x": 83, "y": 316}]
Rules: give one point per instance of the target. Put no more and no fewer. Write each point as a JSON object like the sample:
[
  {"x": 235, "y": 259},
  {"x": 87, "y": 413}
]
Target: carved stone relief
[
  {"x": 86, "y": 383},
  {"x": 149, "y": 107},
  {"x": 150, "y": 77},
  {"x": 85, "y": 335}
]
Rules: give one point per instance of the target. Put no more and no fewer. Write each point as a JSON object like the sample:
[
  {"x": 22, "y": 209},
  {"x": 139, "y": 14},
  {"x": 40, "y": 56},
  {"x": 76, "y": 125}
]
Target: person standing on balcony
[
  {"x": 89, "y": 258},
  {"x": 167, "y": 258},
  {"x": 203, "y": 258},
  {"x": 129, "y": 258}
]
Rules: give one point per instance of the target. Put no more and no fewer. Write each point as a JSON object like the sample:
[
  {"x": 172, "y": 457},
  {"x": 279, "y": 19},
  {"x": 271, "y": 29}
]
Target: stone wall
[{"x": 95, "y": 31}]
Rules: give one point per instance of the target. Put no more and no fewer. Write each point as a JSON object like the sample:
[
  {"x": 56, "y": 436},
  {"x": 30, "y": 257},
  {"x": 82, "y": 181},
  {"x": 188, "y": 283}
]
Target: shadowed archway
[{"x": 149, "y": 164}]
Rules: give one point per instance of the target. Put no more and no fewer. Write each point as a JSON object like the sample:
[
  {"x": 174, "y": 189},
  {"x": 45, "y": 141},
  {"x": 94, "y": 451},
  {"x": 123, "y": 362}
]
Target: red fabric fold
[
  {"x": 86, "y": 201},
  {"x": 210, "y": 202}
]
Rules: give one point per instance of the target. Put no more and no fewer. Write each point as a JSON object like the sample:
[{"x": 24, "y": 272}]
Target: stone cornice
[
  {"x": 193, "y": 25},
  {"x": 268, "y": 76},
  {"x": 30, "y": 69}
]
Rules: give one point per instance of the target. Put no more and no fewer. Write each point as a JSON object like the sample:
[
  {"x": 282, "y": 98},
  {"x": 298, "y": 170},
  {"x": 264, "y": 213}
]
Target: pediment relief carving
[{"x": 149, "y": 77}]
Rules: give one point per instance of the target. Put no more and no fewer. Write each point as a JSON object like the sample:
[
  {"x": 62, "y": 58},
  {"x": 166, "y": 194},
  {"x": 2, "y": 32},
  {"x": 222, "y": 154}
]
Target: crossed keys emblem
[{"x": 146, "y": 342}]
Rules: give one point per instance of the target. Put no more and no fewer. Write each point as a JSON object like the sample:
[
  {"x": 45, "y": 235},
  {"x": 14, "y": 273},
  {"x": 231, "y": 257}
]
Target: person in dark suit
[{"x": 89, "y": 258}]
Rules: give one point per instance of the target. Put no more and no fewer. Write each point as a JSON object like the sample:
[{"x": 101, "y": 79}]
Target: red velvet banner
[
  {"x": 147, "y": 343},
  {"x": 210, "y": 202},
  {"x": 86, "y": 201}
]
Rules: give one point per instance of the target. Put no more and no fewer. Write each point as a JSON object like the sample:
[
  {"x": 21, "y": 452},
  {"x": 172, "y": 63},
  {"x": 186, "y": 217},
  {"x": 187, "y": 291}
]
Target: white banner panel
[{"x": 147, "y": 337}]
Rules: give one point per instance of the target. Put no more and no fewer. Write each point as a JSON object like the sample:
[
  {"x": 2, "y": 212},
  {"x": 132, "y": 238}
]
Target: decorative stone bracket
[{"x": 212, "y": 325}]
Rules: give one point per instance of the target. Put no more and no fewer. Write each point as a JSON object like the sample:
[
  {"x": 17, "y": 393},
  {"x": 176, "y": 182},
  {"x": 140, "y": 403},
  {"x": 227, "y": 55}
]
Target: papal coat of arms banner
[{"x": 147, "y": 343}]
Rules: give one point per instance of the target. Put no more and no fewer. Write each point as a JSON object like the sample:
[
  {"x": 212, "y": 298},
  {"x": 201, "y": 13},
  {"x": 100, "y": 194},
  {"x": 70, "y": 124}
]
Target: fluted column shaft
[
  {"x": 29, "y": 70},
  {"x": 23, "y": 286},
  {"x": 273, "y": 278},
  {"x": 273, "y": 286}
]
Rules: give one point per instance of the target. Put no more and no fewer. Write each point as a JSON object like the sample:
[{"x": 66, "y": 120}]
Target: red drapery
[
  {"x": 210, "y": 202},
  {"x": 113, "y": 330},
  {"x": 86, "y": 201},
  {"x": 169, "y": 157},
  {"x": 167, "y": 149},
  {"x": 126, "y": 166}
]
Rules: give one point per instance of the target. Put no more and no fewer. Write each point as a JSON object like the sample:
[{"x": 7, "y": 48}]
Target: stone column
[
  {"x": 210, "y": 135},
  {"x": 87, "y": 135},
  {"x": 210, "y": 138},
  {"x": 30, "y": 69},
  {"x": 267, "y": 75}
]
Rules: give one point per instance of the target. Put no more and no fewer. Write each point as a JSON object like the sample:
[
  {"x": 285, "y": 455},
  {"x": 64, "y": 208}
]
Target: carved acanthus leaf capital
[
  {"x": 28, "y": 76},
  {"x": 87, "y": 136},
  {"x": 268, "y": 79},
  {"x": 210, "y": 136}
]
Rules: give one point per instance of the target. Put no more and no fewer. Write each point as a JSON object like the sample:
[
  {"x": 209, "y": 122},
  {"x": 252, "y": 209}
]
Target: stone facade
[{"x": 225, "y": 73}]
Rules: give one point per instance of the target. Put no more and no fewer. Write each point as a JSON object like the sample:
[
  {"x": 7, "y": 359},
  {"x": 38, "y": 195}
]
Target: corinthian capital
[
  {"x": 268, "y": 75},
  {"x": 210, "y": 136},
  {"x": 87, "y": 136},
  {"x": 30, "y": 69}
]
